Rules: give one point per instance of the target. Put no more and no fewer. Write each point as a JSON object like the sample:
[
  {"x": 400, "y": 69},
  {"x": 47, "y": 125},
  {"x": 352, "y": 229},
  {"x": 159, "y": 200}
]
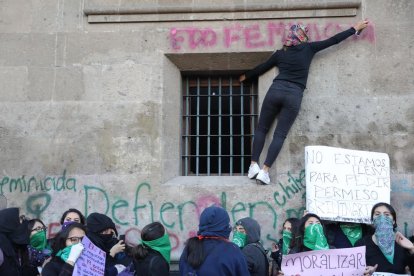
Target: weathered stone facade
[{"x": 91, "y": 104}]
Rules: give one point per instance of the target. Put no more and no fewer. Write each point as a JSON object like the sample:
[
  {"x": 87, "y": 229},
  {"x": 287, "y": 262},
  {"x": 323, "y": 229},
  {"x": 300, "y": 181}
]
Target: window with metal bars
[{"x": 219, "y": 117}]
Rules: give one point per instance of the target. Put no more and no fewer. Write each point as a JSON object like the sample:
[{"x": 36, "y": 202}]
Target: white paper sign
[
  {"x": 92, "y": 260},
  {"x": 343, "y": 185},
  {"x": 332, "y": 262}
]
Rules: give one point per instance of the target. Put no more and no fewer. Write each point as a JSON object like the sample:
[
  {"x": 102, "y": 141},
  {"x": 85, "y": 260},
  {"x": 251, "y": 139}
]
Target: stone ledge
[
  {"x": 167, "y": 13},
  {"x": 220, "y": 181},
  {"x": 236, "y": 61}
]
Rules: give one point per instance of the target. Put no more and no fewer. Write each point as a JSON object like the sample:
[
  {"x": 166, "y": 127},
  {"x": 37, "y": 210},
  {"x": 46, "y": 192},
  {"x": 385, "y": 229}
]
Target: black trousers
[{"x": 283, "y": 99}]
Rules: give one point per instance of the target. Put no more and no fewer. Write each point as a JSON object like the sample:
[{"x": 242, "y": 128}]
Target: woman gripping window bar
[{"x": 284, "y": 96}]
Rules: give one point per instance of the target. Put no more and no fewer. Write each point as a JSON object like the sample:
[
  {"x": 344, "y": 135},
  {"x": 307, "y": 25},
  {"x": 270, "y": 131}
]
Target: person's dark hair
[
  {"x": 195, "y": 252},
  {"x": 295, "y": 226},
  {"x": 294, "y": 222},
  {"x": 389, "y": 207},
  {"x": 72, "y": 210},
  {"x": 297, "y": 242},
  {"x": 150, "y": 232},
  {"x": 32, "y": 222},
  {"x": 59, "y": 242}
]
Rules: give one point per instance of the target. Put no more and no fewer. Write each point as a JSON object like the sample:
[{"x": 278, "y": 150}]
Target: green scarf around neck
[
  {"x": 39, "y": 240},
  {"x": 162, "y": 245},
  {"x": 352, "y": 231},
  {"x": 315, "y": 238},
  {"x": 64, "y": 253},
  {"x": 286, "y": 238},
  {"x": 239, "y": 239},
  {"x": 385, "y": 236}
]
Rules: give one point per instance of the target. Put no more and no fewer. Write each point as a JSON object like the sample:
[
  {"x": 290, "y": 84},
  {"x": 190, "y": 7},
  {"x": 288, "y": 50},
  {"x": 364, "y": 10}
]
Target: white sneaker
[
  {"x": 263, "y": 177},
  {"x": 253, "y": 171}
]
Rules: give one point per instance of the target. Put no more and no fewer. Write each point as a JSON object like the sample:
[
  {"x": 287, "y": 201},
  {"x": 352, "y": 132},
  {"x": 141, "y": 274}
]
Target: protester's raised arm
[
  {"x": 404, "y": 242},
  {"x": 361, "y": 25}
]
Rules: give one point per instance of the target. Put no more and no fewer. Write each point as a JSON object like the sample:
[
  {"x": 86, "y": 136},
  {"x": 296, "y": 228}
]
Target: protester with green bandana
[
  {"x": 387, "y": 250},
  {"x": 246, "y": 235},
  {"x": 67, "y": 248},
  {"x": 311, "y": 235},
  {"x": 290, "y": 227},
  {"x": 152, "y": 256},
  {"x": 345, "y": 234},
  {"x": 39, "y": 249}
]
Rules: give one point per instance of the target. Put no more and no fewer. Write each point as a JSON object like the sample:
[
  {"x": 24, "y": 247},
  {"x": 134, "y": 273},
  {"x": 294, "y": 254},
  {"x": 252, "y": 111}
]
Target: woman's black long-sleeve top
[{"x": 294, "y": 61}]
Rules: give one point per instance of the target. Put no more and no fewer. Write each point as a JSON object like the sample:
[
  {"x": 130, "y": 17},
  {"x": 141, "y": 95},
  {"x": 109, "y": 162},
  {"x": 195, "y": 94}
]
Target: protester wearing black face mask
[
  {"x": 14, "y": 238},
  {"x": 102, "y": 232}
]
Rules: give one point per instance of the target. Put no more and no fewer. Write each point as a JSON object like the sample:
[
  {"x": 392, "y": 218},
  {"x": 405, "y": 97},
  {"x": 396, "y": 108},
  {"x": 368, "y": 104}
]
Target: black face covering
[
  {"x": 12, "y": 232},
  {"x": 108, "y": 240},
  {"x": 21, "y": 236},
  {"x": 96, "y": 224},
  {"x": 9, "y": 220}
]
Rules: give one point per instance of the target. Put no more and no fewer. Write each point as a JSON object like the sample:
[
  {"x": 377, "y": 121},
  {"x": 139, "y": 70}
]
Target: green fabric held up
[
  {"x": 315, "y": 238},
  {"x": 286, "y": 238},
  {"x": 239, "y": 239},
  {"x": 352, "y": 231},
  {"x": 39, "y": 240},
  {"x": 162, "y": 245},
  {"x": 64, "y": 253}
]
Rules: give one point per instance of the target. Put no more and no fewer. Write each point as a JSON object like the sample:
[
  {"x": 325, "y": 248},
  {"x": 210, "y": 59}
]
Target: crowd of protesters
[{"x": 26, "y": 251}]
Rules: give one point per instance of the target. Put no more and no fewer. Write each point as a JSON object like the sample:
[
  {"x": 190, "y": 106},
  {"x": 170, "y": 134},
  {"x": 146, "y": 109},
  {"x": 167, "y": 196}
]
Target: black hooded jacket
[
  {"x": 14, "y": 238},
  {"x": 96, "y": 223},
  {"x": 255, "y": 254}
]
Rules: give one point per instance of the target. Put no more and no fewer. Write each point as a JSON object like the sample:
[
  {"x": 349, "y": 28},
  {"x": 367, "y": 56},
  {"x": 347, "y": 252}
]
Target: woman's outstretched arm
[
  {"x": 320, "y": 45},
  {"x": 261, "y": 68}
]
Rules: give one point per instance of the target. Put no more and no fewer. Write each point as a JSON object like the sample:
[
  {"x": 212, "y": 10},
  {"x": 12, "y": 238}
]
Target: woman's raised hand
[
  {"x": 74, "y": 253},
  {"x": 242, "y": 78},
  {"x": 369, "y": 270},
  {"x": 119, "y": 247},
  {"x": 361, "y": 25},
  {"x": 404, "y": 242}
]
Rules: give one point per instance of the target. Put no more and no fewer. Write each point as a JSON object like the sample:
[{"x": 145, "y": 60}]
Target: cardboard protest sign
[
  {"x": 92, "y": 260},
  {"x": 332, "y": 262},
  {"x": 343, "y": 185}
]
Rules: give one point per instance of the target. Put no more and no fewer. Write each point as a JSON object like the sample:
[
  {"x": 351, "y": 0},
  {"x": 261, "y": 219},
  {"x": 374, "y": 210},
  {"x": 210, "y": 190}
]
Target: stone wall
[{"x": 91, "y": 98}]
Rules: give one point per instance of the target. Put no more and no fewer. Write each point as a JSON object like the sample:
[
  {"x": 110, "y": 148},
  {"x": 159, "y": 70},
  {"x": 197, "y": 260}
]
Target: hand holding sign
[
  {"x": 369, "y": 270},
  {"x": 75, "y": 252}
]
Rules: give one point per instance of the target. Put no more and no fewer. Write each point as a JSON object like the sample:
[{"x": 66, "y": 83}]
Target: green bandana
[
  {"x": 64, "y": 253},
  {"x": 287, "y": 237},
  {"x": 384, "y": 233},
  {"x": 239, "y": 239},
  {"x": 352, "y": 231},
  {"x": 162, "y": 245},
  {"x": 314, "y": 237},
  {"x": 38, "y": 240}
]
